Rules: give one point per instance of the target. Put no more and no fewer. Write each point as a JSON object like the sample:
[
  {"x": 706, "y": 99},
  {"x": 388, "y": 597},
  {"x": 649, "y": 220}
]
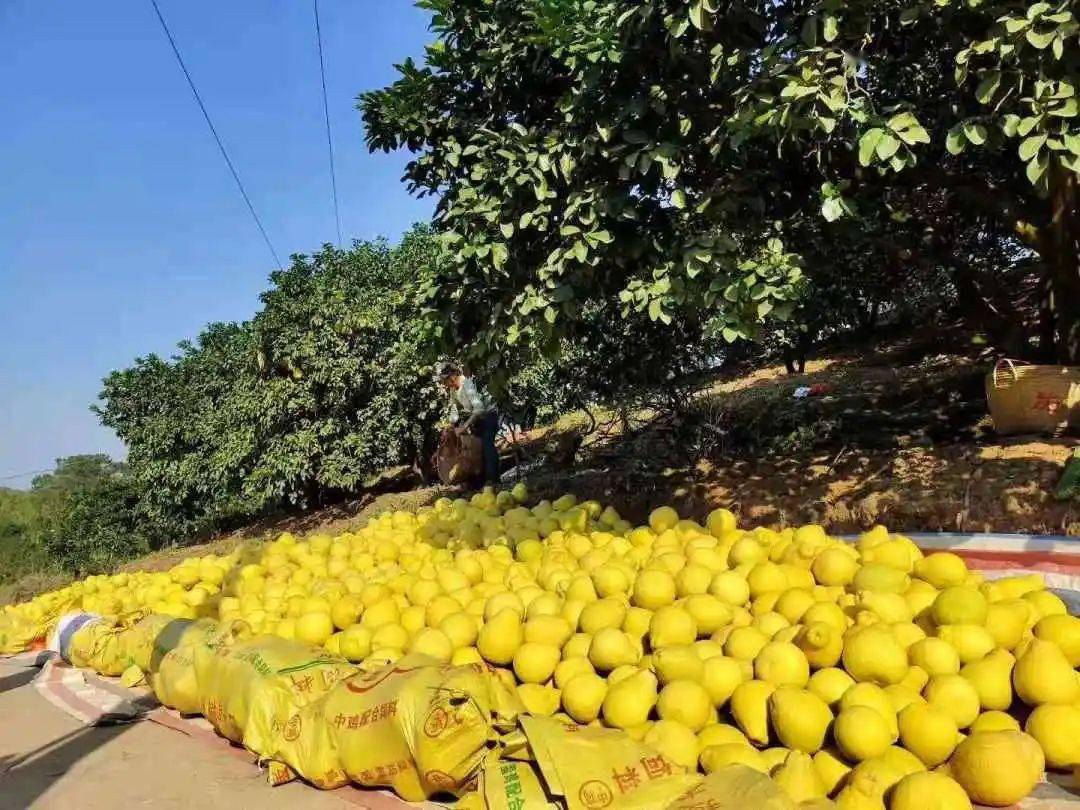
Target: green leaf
[
  {"x": 526, "y": 219},
  {"x": 550, "y": 314},
  {"x": 581, "y": 251},
  {"x": 831, "y": 28},
  {"x": 810, "y": 31},
  {"x": 1037, "y": 10},
  {"x": 887, "y": 146},
  {"x": 832, "y": 209},
  {"x": 1037, "y": 168},
  {"x": 601, "y": 236},
  {"x": 655, "y": 308},
  {"x": 1009, "y": 125},
  {"x": 909, "y": 15},
  {"x": 955, "y": 141},
  {"x": 678, "y": 198},
  {"x": 988, "y": 86},
  {"x": 1014, "y": 24},
  {"x": 507, "y": 229},
  {"x": 868, "y": 144},
  {"x": 1026, "y": 125},
  {"x": 698, "y": 17},
  {"x": 1029, "y": 147},
  {"x": 764, "y": 308},
  {"x": 730, "y": 335},
  {"x": 976, "y": 133},
  {"x": 1072, "y": 143},
  {"x": 1040, "y": 41},
  {"x": 1067, "y": 109}
]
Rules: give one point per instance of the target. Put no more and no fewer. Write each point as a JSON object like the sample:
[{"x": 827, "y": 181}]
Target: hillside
[{"x": 898, "y": 435}]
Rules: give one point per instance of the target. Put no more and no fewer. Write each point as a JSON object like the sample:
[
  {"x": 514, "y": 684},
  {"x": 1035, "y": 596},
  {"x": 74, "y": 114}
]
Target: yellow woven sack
[
  {"x": 17, "y": 633},
  {"x": 140, "y": 640},
  {"x": 99, "y": 645},
  {"x": 249, "y": 690},
  {"x": 512, "y": 785},
  {"x": 172, "y": 664},
  {"x": 591, "y": 768},
  {"x": 416, "y": 726},
  {"x": 734, "y": 787}
]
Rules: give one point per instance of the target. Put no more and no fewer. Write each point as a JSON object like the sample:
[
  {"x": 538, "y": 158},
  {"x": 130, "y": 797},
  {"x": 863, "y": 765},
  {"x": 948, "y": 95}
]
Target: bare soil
[{"x": 896, "y": 433}]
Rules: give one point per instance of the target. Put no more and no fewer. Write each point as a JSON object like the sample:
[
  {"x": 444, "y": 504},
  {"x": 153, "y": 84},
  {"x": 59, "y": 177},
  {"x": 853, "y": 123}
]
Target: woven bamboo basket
[{"x": 1026, "y": 398}]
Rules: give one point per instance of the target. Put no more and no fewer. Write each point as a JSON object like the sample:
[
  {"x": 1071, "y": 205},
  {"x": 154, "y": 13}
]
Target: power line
[
  {"x": 326, "y": 111},
  {"x": 23, "y": 475},
  {"x": 214, "y": 132}
]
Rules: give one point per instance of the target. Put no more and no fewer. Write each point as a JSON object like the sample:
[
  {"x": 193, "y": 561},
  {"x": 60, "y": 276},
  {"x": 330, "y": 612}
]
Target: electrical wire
[
  {"x": 23, "y": 475},
  {"x": 326, "y": 111},
  {"x": 214, "y": 132}
]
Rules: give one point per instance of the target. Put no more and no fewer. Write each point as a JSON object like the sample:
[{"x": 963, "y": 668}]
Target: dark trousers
[{"x": 487, "y": 427}]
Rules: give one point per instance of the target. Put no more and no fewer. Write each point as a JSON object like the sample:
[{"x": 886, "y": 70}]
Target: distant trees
[{"x": 329, "y": 382}]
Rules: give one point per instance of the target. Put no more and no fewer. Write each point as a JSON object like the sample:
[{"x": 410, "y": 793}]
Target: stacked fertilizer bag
[{"x": 506, "y": 656}]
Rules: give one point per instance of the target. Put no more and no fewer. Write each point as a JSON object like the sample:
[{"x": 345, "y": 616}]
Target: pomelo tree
[{"x": 665, "y": 156}]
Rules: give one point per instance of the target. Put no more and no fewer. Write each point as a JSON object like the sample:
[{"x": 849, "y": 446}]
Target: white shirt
[{"x": 468, "y": 400}]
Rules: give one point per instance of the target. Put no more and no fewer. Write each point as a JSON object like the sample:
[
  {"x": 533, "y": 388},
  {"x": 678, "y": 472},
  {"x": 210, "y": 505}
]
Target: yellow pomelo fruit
[
  {"x": 611, "y": 648},
  {"x": 959, "y": 604},
  {"x": 355, "y": 644},
  {"x": 873, "y": 654},
  {"x": 629, "y": 702},
  {"x": 569, "y": 668},
  {"x": 829, "y": 684},
  {"x": 942, "y": 569},
  {"x": 995, "y": 721},
  {"x": 992, "y": 678},
  {"x": 678, "y": 663},
  {"x": 675, "y": 741},
  {"x": 799, "y": 718},
  {"x": 928, "y": 732},
  {"x": 685, "y": 702},
  {"x": 1064, "y": 631},
  {"x": 538, "y": 699},
  {"x": 832, "y": 768},
  {"x": 433, "y": 642},
  {"x": 716, "y": 757},
  {"x": 500, "y": 637},
  {"x": 971, "y": 641},
  {"x": 314, "y": 628},
  {"x": 935, "y": 655},
  {"x": 653, "y": 589},
  {"x": 749, "y": 707},
  {"x": 597, "y": 615},
  {"x": 1042, "y": 674},
  {"x": 1056, "y": 728},
  {"x": 535, "y": 663},
  {"x": 460, "y": 628},
  {"x": 928, "y": 791},
  {"x": 821, "y": 643},
  {"x": 720, "y": 676},
  {"x": 583, "y": 696},
  {"x": 720, "y": 734},
  {"x": 997, "y": 768},
  {"x": 745, "y": 643},
  {"x": 782, "y": 664},
  {"x": 730, "y": 588},
  {"x": 861, "y": 733},
  {"x": 671, "y": 626},
  {"x": 874, "y": 697},
  {"x": 798, "y": 778}
]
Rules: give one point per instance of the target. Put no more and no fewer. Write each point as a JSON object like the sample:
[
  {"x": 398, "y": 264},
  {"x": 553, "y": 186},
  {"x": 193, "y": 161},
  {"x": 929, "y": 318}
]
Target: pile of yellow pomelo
[{"x": 861, "y": 675}]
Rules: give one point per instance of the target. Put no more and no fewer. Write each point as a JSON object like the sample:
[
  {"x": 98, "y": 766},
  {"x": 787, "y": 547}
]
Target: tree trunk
[{"x": 1062, "y": 256}]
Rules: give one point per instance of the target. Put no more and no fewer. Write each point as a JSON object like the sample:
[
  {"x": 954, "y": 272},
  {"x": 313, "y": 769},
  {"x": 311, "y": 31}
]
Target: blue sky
[{"x": 121, "y": 231}]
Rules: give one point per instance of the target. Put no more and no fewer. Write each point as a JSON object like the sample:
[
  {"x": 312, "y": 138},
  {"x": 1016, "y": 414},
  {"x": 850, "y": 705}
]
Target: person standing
[{"x": 473, "y": 411}]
